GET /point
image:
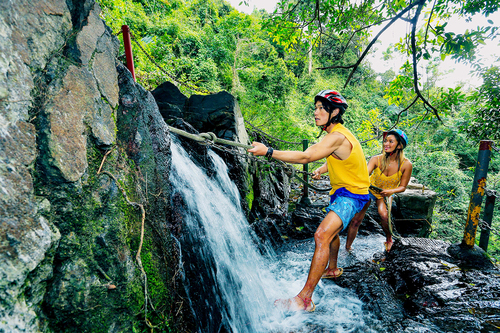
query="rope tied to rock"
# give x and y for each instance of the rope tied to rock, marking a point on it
(211, 139)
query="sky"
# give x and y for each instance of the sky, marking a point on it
(455, 72)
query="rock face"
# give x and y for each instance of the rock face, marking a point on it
(27, 235)
(426, 285)
(412, 212)
(265, 189)
(69, 235)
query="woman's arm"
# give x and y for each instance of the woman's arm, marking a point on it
(372, 164)
(319, 171)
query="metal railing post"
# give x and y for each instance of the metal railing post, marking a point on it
(128, 49)
(305, 192)
(478, 187)
(489, 206)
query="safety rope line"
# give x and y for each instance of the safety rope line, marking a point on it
(212, 140)
(389, 213)
(184, 83)
(206, 137)
(495, 147)
(270, 136)
(491, 193)
(484, 226)
(388, 204)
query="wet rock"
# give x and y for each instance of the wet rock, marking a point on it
(305, 220)
(171, 102)
(412, 214)
(420, 287)
(217, 113)
(471, 257)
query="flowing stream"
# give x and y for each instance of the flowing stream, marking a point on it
(236, 278)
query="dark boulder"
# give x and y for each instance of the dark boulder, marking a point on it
(412, 210)
(213, 113)
(170, 100)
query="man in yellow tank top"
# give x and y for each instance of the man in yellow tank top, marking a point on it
(346, 167)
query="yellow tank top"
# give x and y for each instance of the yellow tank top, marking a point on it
(351, 173)
(382, 181)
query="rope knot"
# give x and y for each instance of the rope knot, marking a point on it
(209, 136)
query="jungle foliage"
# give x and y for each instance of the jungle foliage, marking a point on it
(275, 63)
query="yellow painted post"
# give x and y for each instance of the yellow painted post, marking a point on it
(478, 187)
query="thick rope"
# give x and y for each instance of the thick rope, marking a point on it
(388, 204)
(204, 137)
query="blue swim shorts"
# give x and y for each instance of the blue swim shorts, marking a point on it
(345, 208)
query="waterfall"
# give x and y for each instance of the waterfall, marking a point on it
(231, 281)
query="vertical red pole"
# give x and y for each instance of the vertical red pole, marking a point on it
(128, 49)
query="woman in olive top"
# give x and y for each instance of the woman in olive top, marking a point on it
(391, 172)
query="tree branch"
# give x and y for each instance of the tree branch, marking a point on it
(394, 19)
(423, 118)
(414, 59)
(428, 24)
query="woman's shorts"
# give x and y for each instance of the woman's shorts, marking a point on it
(345, 208)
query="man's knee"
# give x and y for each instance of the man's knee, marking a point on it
(320, 236)
(323, 237)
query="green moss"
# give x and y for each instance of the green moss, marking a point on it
(249, 197)
(155, 282)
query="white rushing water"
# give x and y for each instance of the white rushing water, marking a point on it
(249, 281)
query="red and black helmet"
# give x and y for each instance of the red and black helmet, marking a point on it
(333, 100)
(333, 97)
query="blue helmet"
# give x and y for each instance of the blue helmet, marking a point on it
(400, 136)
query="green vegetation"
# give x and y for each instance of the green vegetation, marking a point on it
(207, 46)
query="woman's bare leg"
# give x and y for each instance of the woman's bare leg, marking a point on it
(384, 220)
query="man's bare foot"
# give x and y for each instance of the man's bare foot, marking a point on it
(388, 245)
(349, 250)
(296, 303)
(332, 273)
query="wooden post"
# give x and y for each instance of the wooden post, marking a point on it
(478, 188)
